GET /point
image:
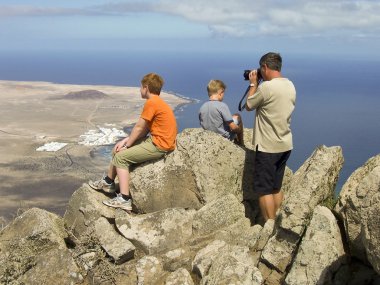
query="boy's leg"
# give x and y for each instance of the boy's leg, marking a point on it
(121, 161)
(106, 183)
(112, 172)
(123, 175)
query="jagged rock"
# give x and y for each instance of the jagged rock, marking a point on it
(84, 208)
(159, 231)
(204, 258)
(220, 263)
(193, 174)
(53, 267)
(218, 214)
(358, 207)
(313, 183)
(180, 276)
(371, 238)
(356, 273)
(262, 239)
(149, 271)
(117, 247)
(177, 258)
(34, 232)
(240, 233)
(321, 252)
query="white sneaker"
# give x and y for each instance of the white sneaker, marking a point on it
(102, 185)
(119, 202)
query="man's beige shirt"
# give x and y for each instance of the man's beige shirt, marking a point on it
(274, 102)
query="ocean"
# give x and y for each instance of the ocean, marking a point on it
(337, 97)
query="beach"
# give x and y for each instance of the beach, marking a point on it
(50, 135)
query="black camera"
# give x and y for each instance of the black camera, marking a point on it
(247, 72)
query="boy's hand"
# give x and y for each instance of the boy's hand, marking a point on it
(120, 145)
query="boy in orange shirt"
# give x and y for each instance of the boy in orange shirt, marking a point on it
(157, 118)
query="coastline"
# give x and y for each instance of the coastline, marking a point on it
(34, 114)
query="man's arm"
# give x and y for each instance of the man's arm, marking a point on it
(252, 90)
(253, 101)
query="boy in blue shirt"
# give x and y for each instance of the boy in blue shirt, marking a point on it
(215, 115)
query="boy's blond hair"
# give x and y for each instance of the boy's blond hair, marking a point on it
(214, 86)
(154, 83)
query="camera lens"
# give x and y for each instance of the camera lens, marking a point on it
(246, 74)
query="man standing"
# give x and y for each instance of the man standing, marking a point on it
(274, 102)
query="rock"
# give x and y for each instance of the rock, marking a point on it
(218, 214)
(180, 276)
(313, 183)
(193, 174)
(117, 247)
(84, 208)
(33, 233)
(262, 239)
(240, 233)
(53, 267)
(231, 265)
(149, 271)
(321, 252)
(371, 237)
(358, 207)
(177, 258)
(159, 231)
(204, 258)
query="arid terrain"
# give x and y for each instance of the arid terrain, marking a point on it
(34, 114)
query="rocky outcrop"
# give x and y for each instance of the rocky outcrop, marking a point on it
(192, 175)
(358, 207)
(311, 185)
(159, 231)
(211, 237)
(32, 241)
(321, 252)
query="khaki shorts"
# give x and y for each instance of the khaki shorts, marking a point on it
(143, 151)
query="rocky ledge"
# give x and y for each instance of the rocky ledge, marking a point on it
(198, 222)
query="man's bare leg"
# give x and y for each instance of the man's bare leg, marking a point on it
(267, 206)
(278, 198)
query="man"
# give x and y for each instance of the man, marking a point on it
(274, 102)
(157, 118)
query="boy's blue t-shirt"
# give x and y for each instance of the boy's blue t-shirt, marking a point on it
(216, 116)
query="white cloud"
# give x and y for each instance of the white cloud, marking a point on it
(242, 18)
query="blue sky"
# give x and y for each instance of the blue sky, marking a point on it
(323, 26)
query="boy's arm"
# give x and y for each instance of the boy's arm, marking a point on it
(234, 128)
(141, 129)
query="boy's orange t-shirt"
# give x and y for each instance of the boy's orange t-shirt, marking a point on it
(161, 121)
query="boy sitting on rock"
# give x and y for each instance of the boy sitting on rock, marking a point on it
(215, 115)
(157, 118)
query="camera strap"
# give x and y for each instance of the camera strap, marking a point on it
(242, 99)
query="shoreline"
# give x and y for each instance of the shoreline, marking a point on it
(35, 113)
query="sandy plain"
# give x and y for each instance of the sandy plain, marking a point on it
(33, 114)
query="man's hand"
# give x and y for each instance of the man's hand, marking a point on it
(253, 77)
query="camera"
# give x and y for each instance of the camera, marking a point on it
(247, 72)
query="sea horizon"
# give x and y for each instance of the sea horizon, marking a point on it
(336, 96)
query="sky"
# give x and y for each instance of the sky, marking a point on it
(323, 26)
